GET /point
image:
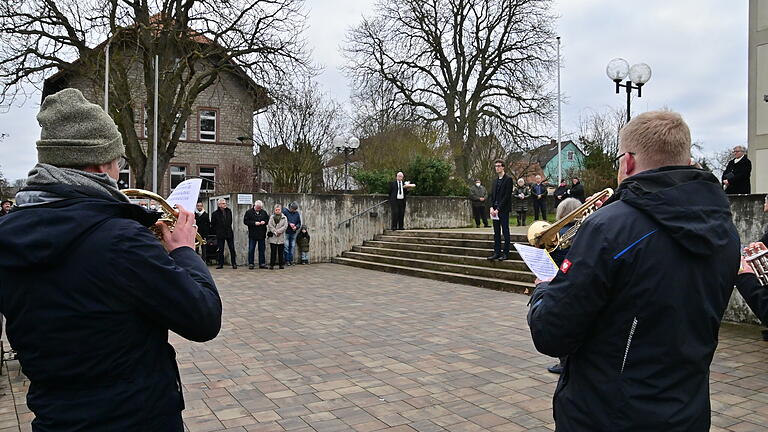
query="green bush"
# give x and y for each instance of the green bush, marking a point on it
(457, 187)
(375, 181)
(431, 175)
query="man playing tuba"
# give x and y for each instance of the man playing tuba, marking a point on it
(89, 292)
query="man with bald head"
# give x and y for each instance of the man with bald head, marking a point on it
(637, 303)
(398, 189)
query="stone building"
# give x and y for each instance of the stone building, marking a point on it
(216, 144)
(758, 94)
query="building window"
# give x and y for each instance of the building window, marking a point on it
(208, 125)
(208, 174)
(178, 174)
(571, 155)
(124, 181)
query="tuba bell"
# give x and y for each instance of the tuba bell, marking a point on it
(758, 259)
(547, 236)
(169, 214)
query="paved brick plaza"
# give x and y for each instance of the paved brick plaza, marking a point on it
(333, 348)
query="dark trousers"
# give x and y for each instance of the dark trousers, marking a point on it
(276, 254)
(398, 213)
(252, 243)
(501, 226)
(540, 205)
(521, 218)
(231, 242)
(478, 212)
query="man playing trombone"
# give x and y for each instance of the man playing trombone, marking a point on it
(637, 303)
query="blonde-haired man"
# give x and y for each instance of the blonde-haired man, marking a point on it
(637, 303)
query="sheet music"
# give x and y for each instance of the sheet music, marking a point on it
(538, 260)
(186, 194)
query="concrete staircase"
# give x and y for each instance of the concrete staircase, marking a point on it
(447, 255)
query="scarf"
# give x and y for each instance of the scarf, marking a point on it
(46, 175)
(277, 218)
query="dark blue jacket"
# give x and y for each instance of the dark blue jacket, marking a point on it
(89, 295)
(293, 217)
(637, 306)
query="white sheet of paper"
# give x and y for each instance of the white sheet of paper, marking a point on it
(538, 260)
(186, 194)
(494, 216)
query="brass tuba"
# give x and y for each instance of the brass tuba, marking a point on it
(758, 259)
(169, 214)
(547, 236)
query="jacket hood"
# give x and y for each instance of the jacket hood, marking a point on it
(687, 203)
(54, 219)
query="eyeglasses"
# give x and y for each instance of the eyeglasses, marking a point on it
(616, 159)
(122, 163)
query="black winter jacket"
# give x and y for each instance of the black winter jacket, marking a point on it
(89, 295)
(221, 223)
(501, 194)
(577, 191)
(258, 232)
(737, 175)
(754, 294)
(637, 306)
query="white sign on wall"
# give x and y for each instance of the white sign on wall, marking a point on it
(245, 199)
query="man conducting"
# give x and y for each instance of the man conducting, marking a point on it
(89, 292)
(398, 191)
(637, 303)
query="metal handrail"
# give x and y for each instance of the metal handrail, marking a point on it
(347, 221)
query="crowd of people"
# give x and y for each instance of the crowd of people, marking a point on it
(522, 195)
(634, 311)
(284, 231)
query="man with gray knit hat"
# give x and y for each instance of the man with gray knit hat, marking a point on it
(89, 293)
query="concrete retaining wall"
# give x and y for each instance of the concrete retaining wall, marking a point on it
(751, 222)
(323, 213)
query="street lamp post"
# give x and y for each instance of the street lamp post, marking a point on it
(348, 147)
(639, 75)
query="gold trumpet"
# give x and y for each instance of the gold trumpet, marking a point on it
(169, 217)
(758, 259)
(547, 236)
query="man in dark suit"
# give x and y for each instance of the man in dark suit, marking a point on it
(736, 175)
(221, 223)
(398, 189)
(539, 193)
(203, 226)
(501, 204)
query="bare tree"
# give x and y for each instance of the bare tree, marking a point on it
(235, 177)
(198, 42)
(457, 62)
(602, 129)
(296, 134)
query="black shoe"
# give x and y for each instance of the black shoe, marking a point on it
(556, 369)
(263, 266)
(493, 257)
(503, 257)
(250, 266)
(219, 266)
(234, 266)
(281, 267)
(477, 226)
(487, 226)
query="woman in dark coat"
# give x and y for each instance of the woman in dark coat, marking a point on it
(520, 195)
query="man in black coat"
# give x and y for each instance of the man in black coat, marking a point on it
(561, 192)
(256, 219)
(89, 293)
(501, 204)
(637, 303)
(539, 193)
(203, 226)
(577, 190)
(398, 190)
(221, 224)
(737, 172)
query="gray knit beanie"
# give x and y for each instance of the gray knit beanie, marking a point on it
(76, 133)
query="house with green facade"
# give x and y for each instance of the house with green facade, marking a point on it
(573, 159)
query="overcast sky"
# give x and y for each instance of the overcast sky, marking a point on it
(696, 48)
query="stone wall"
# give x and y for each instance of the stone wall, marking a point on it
(751, 222)
(323, 213)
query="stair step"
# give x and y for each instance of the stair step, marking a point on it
(485, 282)
(487, 244)
(451, 250)
(442, 257)
(452, 234)
(494, 273)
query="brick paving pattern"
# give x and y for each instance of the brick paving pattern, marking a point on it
(332, 348)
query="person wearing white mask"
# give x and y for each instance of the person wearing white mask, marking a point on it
(477, 197)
